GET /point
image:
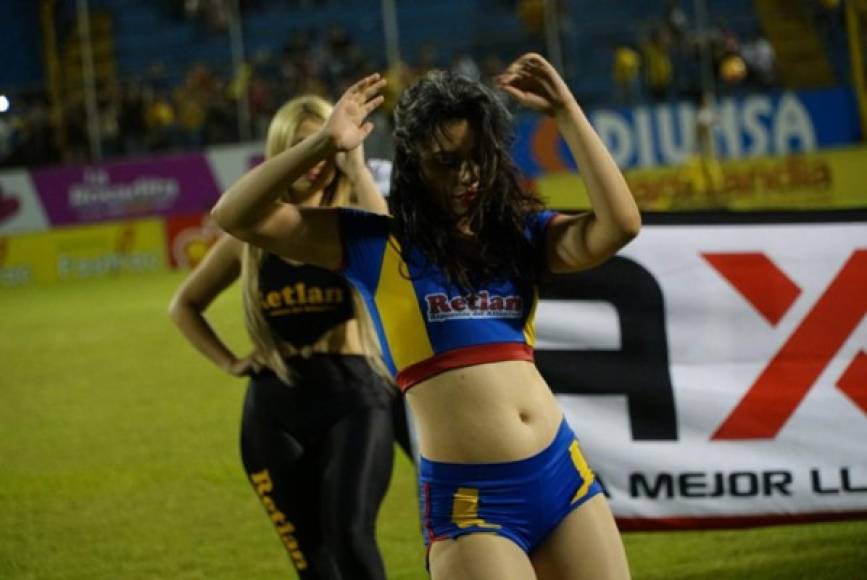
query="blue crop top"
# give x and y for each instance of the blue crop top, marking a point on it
(424, 324)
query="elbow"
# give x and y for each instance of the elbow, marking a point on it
(630, 227)
(218, 214)
(180, 307)
(175, 308)
(231, 223)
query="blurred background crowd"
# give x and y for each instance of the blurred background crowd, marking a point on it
(157, 94)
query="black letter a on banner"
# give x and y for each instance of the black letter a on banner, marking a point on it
(640, 369)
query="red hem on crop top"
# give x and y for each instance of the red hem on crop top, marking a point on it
(462, 357)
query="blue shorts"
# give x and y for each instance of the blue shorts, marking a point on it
(520, 500)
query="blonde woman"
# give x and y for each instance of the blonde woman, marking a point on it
(316, 434)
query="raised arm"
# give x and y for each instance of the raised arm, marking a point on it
(218, 270)
(581, 241)
(251, 211)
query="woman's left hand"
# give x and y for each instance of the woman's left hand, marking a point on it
(535, 83)
(347, 126)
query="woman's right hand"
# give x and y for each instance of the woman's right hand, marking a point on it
(246, 366)
(347, 127)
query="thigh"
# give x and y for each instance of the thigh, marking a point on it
(480, 556)
(356, 458)
(586, 545)
(284, 479)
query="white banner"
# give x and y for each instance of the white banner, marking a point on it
(716, 374)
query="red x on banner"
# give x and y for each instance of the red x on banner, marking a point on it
(790, 374)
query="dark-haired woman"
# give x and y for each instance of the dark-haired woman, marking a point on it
(450, 281)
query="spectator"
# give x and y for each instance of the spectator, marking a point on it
(160, 119)
(703, 170)
(658, 71)
(760, 58)
(532, 16)
(676, 21)
(131, 119)
(627, 64)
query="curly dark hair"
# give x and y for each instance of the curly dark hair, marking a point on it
(498, 248)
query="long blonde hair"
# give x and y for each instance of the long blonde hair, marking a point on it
(281, 133)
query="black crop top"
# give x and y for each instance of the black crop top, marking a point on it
(300, 302)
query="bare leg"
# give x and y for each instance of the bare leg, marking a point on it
(586, 545)
(480, 556)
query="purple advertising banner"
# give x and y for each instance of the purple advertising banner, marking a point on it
(180, 184)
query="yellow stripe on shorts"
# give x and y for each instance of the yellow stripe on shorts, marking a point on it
(465, 509)
(583, 470)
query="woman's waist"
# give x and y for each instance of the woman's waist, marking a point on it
(502, 411)
(466, 356)
(341, 340)
(529, 467)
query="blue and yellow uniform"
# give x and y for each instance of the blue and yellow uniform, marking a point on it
(427, 326)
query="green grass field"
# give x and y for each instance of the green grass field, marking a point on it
(119, 459)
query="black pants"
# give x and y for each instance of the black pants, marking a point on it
(319, 456)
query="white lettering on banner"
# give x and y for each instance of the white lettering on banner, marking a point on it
(666, 135)
(97, 189)
(617, 134)
(772, 295)
(15, 276)
(793, 129)
(80, 267)
(668, 141)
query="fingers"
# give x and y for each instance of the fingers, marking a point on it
(366, 81)
(365, 94)
(533, 59)
(530, 75)
(371, 105)
(512, 91)
(368, 87)
(505, 78)
(531, 64)
(374, 88)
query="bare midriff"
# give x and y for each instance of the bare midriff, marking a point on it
(487, 413)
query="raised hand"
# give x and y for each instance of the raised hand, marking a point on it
(347, 126)
(535, 83)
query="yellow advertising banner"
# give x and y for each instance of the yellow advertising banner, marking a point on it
(83, 252)
(824, 180)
